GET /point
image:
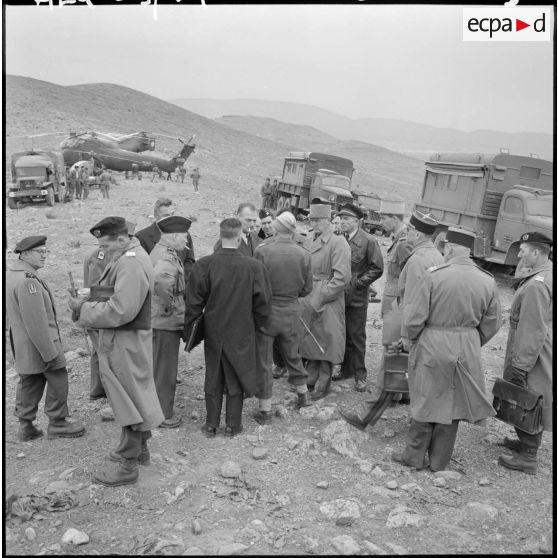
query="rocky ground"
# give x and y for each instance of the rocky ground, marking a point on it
(307, 484)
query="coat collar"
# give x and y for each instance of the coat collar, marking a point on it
(358, 237)
(20, 265)
(324, 238)
(462, 260)
(228, 252)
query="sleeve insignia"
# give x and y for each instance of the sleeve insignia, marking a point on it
(31, 287)
(130, 253)
(101, 255)
(539, 278)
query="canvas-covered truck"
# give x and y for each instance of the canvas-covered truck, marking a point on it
(37, 176)
(498, 197)
(309, 175)
(370, 204)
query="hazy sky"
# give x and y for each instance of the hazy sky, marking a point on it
(406, 62)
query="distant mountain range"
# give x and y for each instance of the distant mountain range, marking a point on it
(411, 138)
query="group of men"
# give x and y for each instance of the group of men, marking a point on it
(78, 183)
(269, 193)
(298, 296)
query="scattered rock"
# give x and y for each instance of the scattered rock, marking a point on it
(71, 355)
(57, 523)
(20, 455)
(484, 482)
(30, 534)
(291, 443)
(180, 526)
(200, 397)
(193, 551)
(67, 473)
(107, 414)
(311, 546)
(345, 508)
(309, 412)
(344, 521)
(391, 484)
(230, 470)
(281, 411)
(365, 467)
(411, 487)
(345, 545)
(322, 484)
(342, 438)
(195, 415)
(397, 549)
(196, 527)
(327, 413)
(483, 511)
(449, 475)
(384, 492)
(389, 433)
(59, 486)
(54, 547)
(440, 482)
(260, 453)
(252, 439)
(231, 549)
(401, 516)
(75, 537)
(335, 389)
(377, 473)
(82, 352)
(373, 549)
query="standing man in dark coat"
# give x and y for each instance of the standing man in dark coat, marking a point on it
(195, 176)
(246, 213)
(234, 295)
(367, 266)
(36, 345)
(529, 354)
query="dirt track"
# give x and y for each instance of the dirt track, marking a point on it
(275, 506)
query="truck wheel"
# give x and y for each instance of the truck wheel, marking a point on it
(49, 198)
(12, 203)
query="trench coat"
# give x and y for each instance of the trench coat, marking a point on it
(234, 294)
(323, 310)
(454, 311)
(126, 356)
(31, 316)
(423, 256)
(93, 266)
(529, 346)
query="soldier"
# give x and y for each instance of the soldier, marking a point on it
(135, 170)
(120, 310)
(182, 173)
(155, 175)
(105, 179)
(266, 219)
(323, 310)
(195, 176)
(167, 310)
(454, 310)
(528, 360)
(290, 275)
(274, 193)
(232, 312)
(73, 177)
(266, 193)
(36, 345)
(367, 266)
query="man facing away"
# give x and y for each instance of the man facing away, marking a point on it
(234, 295)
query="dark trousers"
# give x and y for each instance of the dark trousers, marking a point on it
(79, 189)
(531, 442)
(30, 390)
(131, 442)
(165, 367)
(214, 404)
(355, 344)
(319, 374)
(96, 386)
(85, 191)
(105, 190)
(438, 440)
(277, 356)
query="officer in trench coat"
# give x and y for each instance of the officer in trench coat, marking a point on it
(323, 310)
(123, 318)
(528, 361)
(36, 345)
(454, 311)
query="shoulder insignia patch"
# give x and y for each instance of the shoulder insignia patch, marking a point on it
(31, 287)
(539, 278)
(29, 275)
(101, 255)
(130, 253)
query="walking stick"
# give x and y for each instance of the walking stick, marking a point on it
(312, 335)
(75, 293)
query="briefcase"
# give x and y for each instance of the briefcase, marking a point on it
(395, 376)
(196, 335)
(517, 406)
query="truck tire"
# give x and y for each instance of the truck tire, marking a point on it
(49, 198)
(12, 203)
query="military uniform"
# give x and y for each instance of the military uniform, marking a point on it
(266, 192)
(105, 179)
(73, 178)
(195, 176)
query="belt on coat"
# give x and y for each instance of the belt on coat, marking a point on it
(321, 277)
(450, 328)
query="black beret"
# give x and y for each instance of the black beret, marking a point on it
(461, 236)
(351, 210)
(536, 238)
(109, 225)
(423, 223)
(174, 224)
(264, 213)
(29, 242)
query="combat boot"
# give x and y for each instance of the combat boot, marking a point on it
(513, 444)
(526, 461)
(126, 472)
(61, 428)
(143, 458)
(303, 400)
(28, 431)
(262, 417)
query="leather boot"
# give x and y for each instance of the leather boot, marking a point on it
(303, 400)
(262, 417)
(526, 461)
(513, 444)
(126, 472)
(61, 428)
(27, 431)
(143, 458)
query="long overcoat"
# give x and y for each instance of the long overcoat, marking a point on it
(454, 311)
(126, 356)
(323, 310)
(529, 345)
(32, 321)
(234, 294)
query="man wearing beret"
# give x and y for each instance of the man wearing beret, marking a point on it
(323, 310)
(528, 361)
(367, 266)
(120, 308)
(167, 310)
(266, 218)
(453, 312)
(36, 345)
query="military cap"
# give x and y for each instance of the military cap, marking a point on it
(29, 242)
(423, 222)
(285, 221)
(351, 210)
(263, 213)
(174, 224)
(109, 225)
(319, 211)
(535, 238)
(462, 237)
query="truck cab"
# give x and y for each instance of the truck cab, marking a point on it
(331, 187)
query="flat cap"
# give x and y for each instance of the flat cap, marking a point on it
(536, 238)
(174, 224)
(29, 242)
(285, 221)
(423, 222)
(319, 211)
(463, 237)
(263, 213)
(109, 225)
(351, 210)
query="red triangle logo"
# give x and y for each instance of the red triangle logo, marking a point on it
(519, 25)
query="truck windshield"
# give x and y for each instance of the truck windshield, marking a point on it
(540, 206)
(30, 172)
(335, 181)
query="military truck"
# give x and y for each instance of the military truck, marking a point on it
(370, 205)
(498, 197)
(37, 176)
(309, 175)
